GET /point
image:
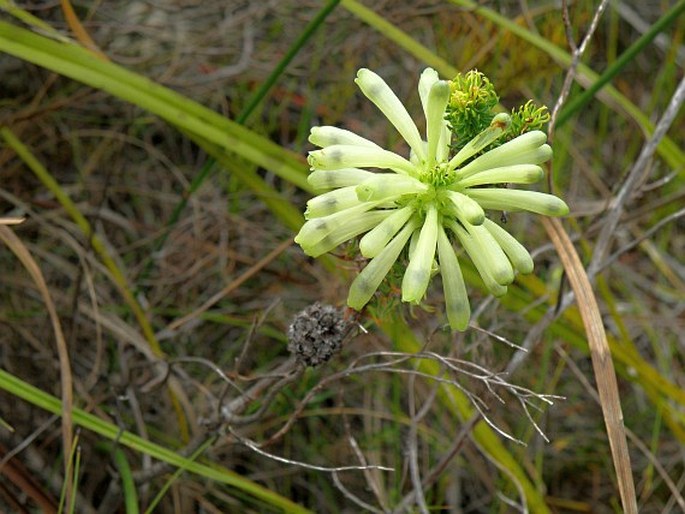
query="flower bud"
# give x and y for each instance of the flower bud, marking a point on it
(376, 90)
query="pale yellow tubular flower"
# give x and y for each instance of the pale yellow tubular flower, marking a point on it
(417, 275)
(322, 180)
(456, 298)
(375, 240)
(406, 202)
(367, 282)
(518, 200)
(515, 251)
(376, 90)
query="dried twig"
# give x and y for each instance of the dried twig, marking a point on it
(440, 467)
(635, 175)
(456, 366)
(15, 244)
(413, 442)
(371, 478)
(336, 469)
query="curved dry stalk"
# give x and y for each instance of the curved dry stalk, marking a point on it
(372, 481)
(413, 442)
(19, 249)
(605, 374)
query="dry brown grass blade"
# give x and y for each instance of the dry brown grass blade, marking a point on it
(19, 249)
(79, 31)
(16, 473)
(11, 221)
(605, 374)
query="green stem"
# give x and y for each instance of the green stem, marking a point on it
(127, 485)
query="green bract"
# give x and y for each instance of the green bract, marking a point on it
(428, 201)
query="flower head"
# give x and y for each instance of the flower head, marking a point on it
(427, 201)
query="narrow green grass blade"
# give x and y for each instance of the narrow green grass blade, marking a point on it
(79, 64)
(32, 21)
(77, 472)
(43, 400)
(299, 43)
(69, 486)
(128, 487)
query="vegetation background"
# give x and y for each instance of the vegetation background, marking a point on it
(143, 347)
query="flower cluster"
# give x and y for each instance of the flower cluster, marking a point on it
(428, 201)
